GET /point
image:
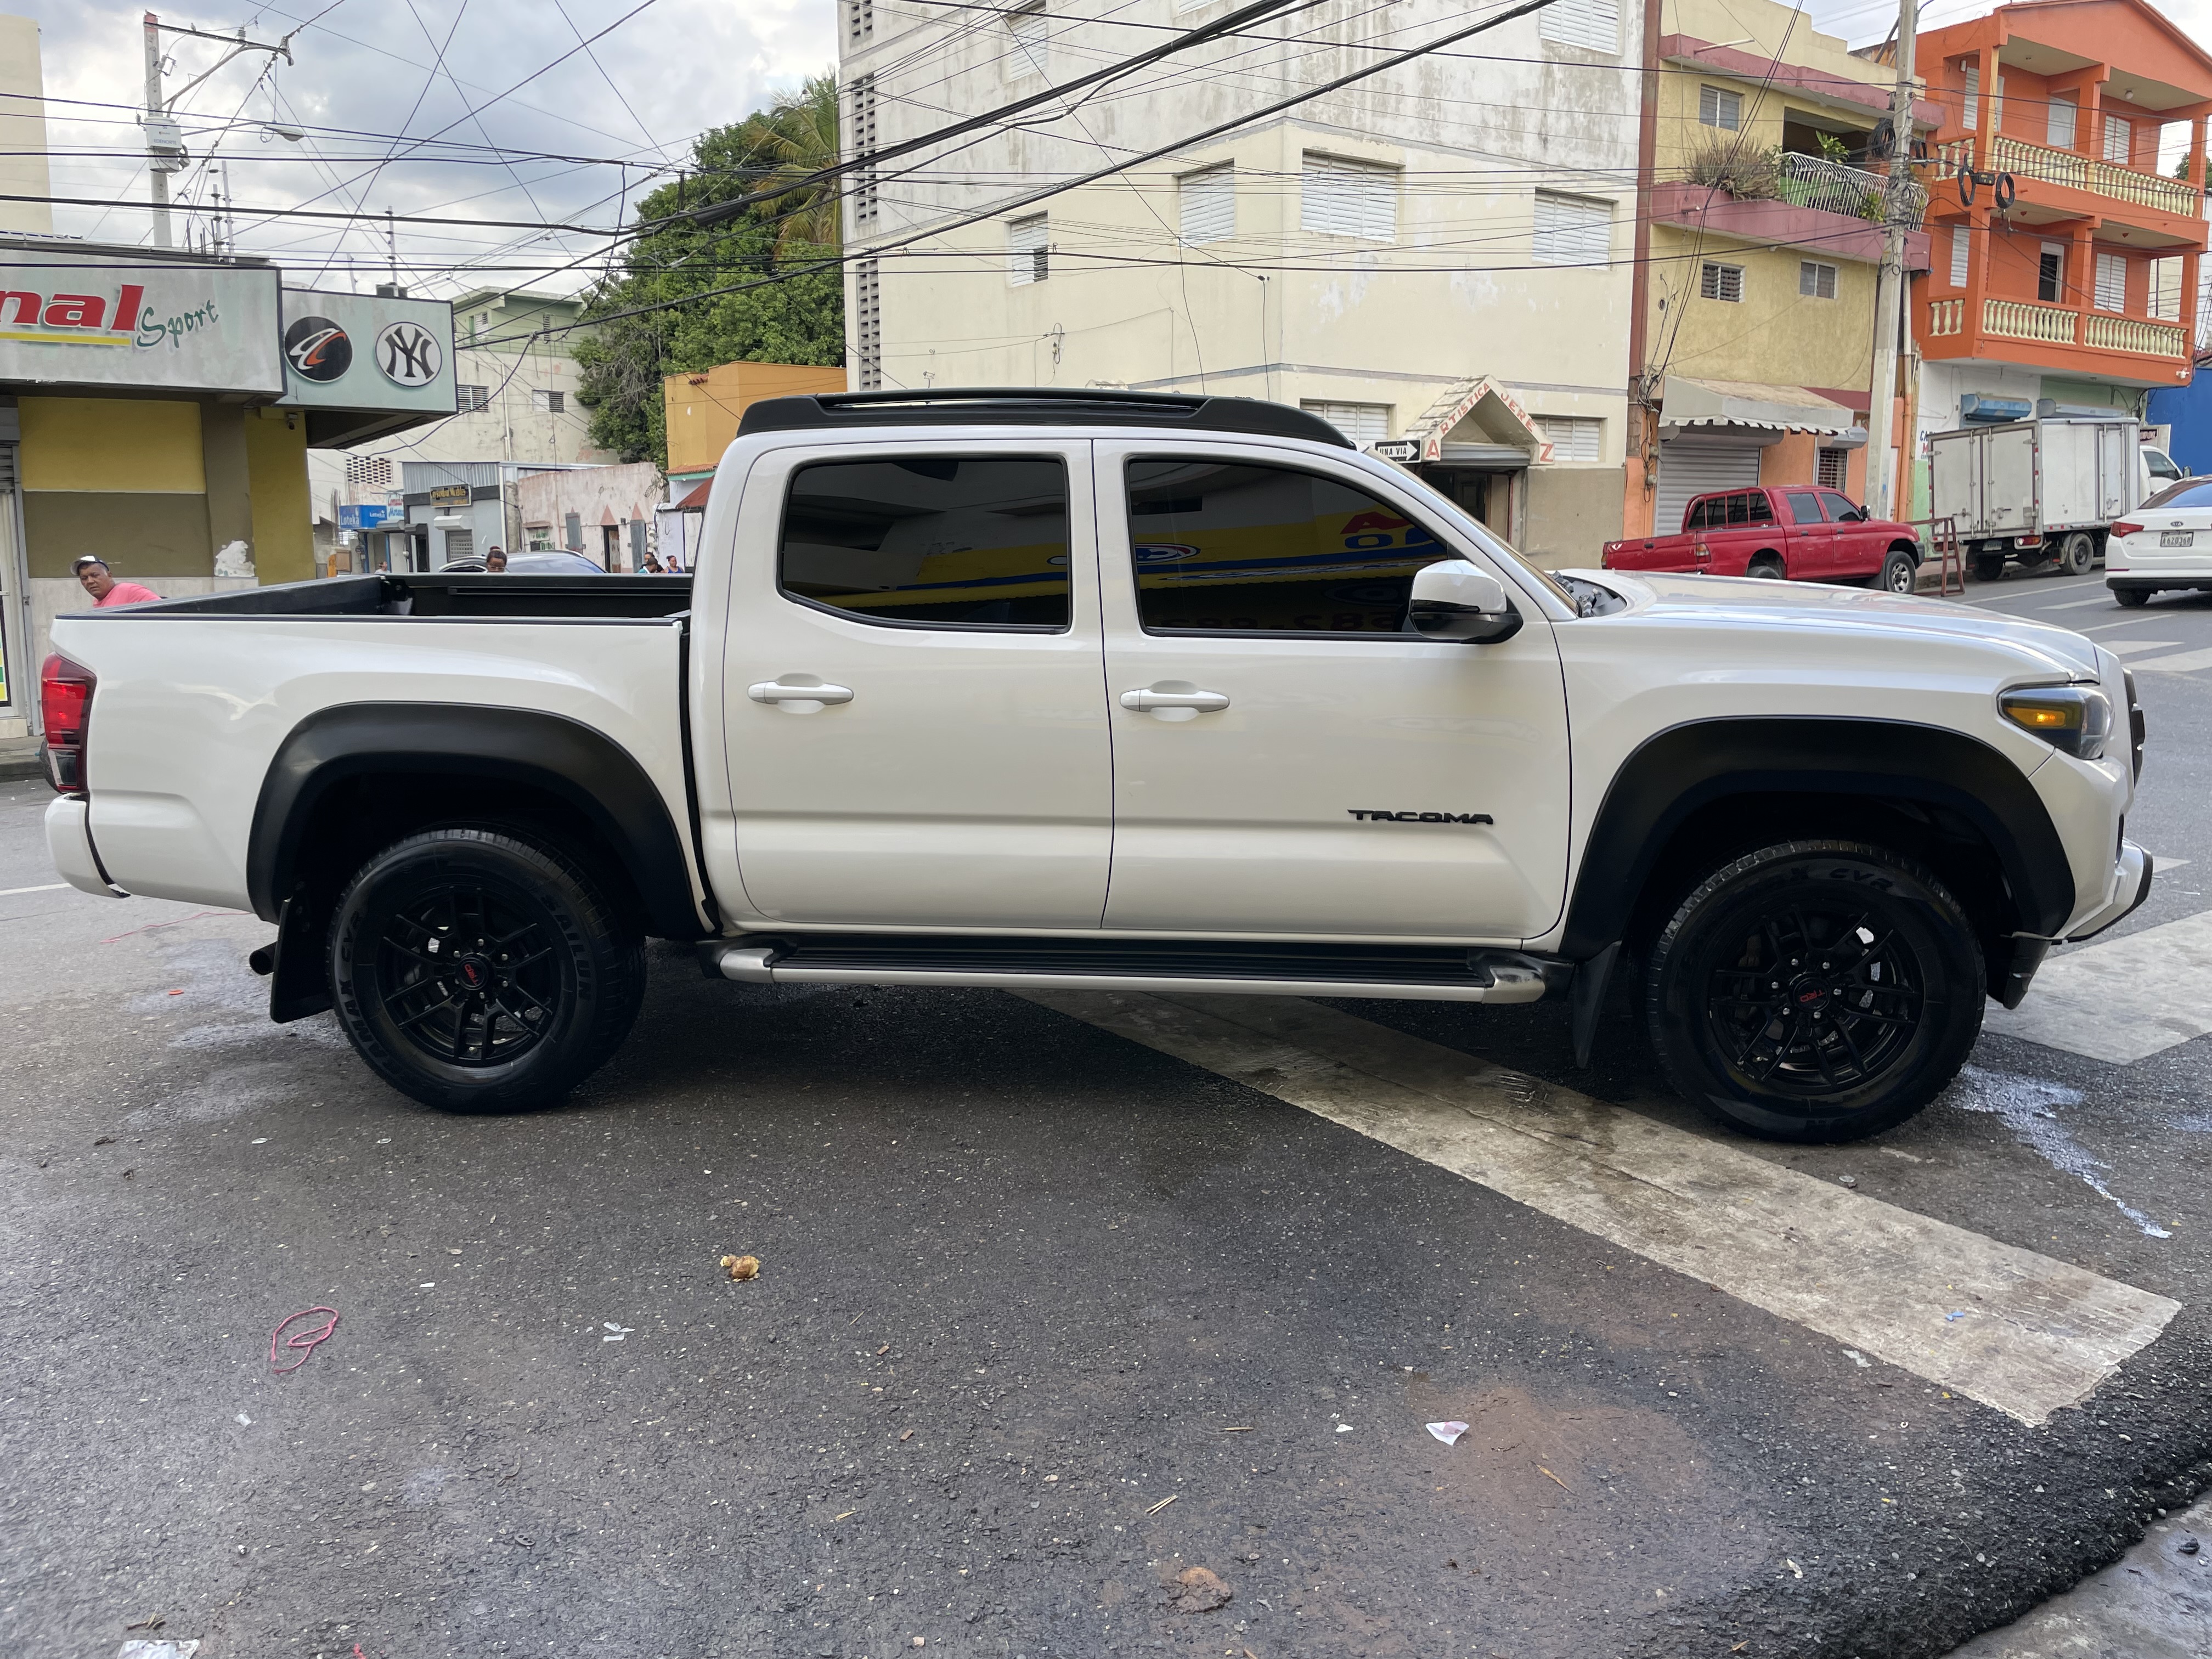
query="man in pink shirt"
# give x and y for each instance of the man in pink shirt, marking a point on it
(92, 572)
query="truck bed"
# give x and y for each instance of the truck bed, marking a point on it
(476, 595)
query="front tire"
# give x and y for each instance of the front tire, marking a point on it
(1816, 991)
(1899, 571)
(476, 971)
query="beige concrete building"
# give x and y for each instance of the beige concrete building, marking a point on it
(1436, 259)
(23, 130)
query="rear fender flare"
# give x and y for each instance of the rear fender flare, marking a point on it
(1689, 767)
(582, 767)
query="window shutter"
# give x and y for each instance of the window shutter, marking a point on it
(1027, 25)
(1337, 198)
(1028, 254)
(1719, 108)
(1718, 282)
(2111, 283)
(1572, 230)
(1971, 116)
(1573, 437)
(1961, 242)
(1205, 204)
(2119, 139)
(1364, 423)
(1595, 24)
(2059, 130)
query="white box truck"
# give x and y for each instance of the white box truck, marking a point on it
(2040, 489)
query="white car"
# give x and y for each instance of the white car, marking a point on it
(1076, 689)
(2166, 542)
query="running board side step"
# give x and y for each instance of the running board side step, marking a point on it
(1416, 974)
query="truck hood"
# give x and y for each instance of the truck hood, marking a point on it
(1759, 603)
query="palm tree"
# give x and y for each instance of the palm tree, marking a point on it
(801, 136)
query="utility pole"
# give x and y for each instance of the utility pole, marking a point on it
(165, 144)
(1883, 456)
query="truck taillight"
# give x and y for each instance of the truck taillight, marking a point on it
(65, 707)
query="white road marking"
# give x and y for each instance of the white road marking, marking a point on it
(2182, 662)
(51, 887)
(2036, 1334)
(2022, 593)
(2080, 604)
(2122, 1001)
(2132, 622)
(2129, 647)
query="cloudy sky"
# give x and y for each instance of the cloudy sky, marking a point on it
(573, 141)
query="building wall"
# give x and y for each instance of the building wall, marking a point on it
(277, 473)
(703, 409)
(122, 477)
(23, 128)
(600, 497)
(1773, 335)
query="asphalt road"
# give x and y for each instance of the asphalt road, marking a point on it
(1046, 1317)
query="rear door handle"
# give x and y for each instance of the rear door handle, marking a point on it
(777, 691)
(1205, 702)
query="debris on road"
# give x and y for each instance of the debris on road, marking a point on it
(620, 1331)
(1447, 1432)
(905, 1435)
(1555, 1479)
(244, 1421)
(1344, 1428)
(1948, 1317)
(748, 1266)
(1238, 1428)
(1163, 1502)
(2187, 1546)
(1858, 1359)
(1200, 1591)
(303, 1341)
(1847, 1181)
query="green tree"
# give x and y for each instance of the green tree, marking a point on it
(674, 270)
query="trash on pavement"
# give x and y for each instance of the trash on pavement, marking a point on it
(1447, 1432)
(1163, 1502)
(1553, 1479)
(741, 1267)
(1847, 1181)
(1858, 1359)
(2187, 1546)
(1344, 1428)
(1197, 1590)
(141, 1650)
(906, 1435)
(1948, 1317)
(303, 1341)
(620, 1331)
(244, 1421)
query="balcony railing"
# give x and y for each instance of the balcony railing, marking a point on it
(2076, 171)
(2016, 319)
(2132, 334)
(1947, 317)
(1809, 181)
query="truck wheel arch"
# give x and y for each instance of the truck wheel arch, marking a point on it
(549, 756)
(1682, 771)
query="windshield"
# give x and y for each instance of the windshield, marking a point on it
(1490, 541)
(2190, 492)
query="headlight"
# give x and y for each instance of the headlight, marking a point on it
(2073, 718)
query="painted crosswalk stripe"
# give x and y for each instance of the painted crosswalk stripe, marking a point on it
(2121, 1001)
(2181, 662)
(2131, 648)
(2036, 1333)
(2078, 605)
(50, 887)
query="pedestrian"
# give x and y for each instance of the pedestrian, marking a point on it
(91, 571)
(653, 566)
(495, 561)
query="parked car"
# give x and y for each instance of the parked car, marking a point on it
(544, 562)
(1097, 691)
(2040, 491)
(1801, 532)
(2166, 544)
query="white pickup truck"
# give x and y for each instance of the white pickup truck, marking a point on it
(1034, 688)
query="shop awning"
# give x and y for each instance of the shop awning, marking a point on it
(1477, 420)
(696, 500)
(1751, 403)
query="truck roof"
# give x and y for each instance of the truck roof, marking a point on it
(1036, 406)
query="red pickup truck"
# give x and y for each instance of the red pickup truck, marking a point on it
(1799, 533)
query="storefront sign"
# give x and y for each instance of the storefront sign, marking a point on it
(362, 352)
(450, 494)
(360, 518)
(71, 318)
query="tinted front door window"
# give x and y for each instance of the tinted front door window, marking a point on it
(1233, 547)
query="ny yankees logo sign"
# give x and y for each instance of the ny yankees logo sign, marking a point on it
(408, 354)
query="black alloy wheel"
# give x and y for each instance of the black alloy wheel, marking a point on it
(1816, 991)
(477, 971)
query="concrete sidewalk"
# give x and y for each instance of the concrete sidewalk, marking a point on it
(19, 758)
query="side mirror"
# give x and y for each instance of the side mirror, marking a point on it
(1455, 601)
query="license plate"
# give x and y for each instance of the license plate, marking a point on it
(2177, 538)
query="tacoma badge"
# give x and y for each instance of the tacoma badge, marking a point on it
(1421, 817)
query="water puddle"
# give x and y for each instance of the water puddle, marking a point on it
(2028, 1106)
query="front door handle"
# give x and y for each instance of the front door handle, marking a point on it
(778, 691)
(1204, 703)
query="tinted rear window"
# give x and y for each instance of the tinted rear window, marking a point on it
(2190, 492)
(935, 541)
(1804, 507)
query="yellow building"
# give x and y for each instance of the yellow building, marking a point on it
(704, 409)
(1765, 173)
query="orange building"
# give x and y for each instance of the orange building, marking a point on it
(2064, 261)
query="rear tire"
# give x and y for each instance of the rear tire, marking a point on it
(2076, 554)
(1900, 572)
(476, 971)
(1816, 991)
(1768, 569)
(1989, 567)
(2132, 597)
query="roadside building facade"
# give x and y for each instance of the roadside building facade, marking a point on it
(702, 412)
(1753, 354)
(607, 514)
(1438, 259)
(2074, 275)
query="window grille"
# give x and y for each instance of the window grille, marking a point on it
(1719, 108)
(1816, 280)
(1719, 282)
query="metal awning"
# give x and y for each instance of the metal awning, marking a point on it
(1753, 404)
(1477, 419)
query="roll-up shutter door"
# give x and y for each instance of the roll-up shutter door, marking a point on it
(461, 544)
(1688, 470)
